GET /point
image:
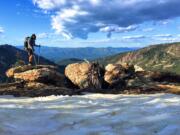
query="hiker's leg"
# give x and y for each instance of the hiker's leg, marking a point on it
(31, 59)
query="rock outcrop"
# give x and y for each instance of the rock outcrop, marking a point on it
(84, 75)
(19, 69)
(40, 74)
(44, 80)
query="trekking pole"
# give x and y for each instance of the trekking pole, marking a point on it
(35, 60)
(39, 55)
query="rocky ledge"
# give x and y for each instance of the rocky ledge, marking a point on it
(79, 78)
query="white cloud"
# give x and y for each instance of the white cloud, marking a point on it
(49, 4)
(134, 37)
(163, 35)
(175, 39)
(148, 29)
(95, 2)
(66, 16)
(78, 18)
(165, 22)
(117, 29)
(42, 35)
(166, 38)
(1, 30)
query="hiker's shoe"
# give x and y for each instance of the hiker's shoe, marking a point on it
(30, 64)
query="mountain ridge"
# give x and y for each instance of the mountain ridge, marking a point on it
(160, 57)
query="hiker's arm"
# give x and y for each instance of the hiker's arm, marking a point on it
(37, 45)
(34, 44)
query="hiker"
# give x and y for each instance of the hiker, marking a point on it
(29, 47)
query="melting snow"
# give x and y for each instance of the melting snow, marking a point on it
(92, 114)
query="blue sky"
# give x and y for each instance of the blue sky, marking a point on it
(94, 23)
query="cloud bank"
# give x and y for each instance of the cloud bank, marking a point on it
(78, 18)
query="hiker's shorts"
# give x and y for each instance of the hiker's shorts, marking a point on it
(30, 52)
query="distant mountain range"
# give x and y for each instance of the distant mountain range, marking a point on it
(69, 61)
(162, 57)
(57, 54)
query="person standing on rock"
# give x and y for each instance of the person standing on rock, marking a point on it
(29, 47)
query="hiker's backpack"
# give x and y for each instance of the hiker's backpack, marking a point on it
(26, 43)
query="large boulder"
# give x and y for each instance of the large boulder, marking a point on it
(43, 74)
(116, 74)
(84, 75)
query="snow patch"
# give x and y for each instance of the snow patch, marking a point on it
(91, 114)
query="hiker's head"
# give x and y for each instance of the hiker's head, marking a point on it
(33, 36)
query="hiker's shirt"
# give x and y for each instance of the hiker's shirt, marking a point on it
(31, 44)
